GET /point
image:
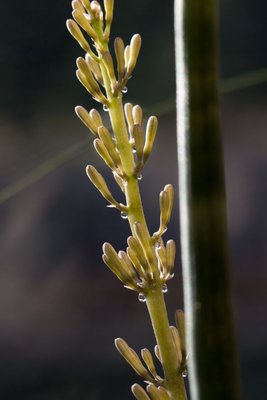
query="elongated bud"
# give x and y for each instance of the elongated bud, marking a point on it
(85, 24)
(164, 210)
(127, 265)
(163, 393)
(139, 393)
(110, 68)
(180, 323)
(111, 259)
(169, 189)
(161, 253)
(91, 86)
(132, 358)
(137, 115)
(96, 117)
(95, 68)
(97, 179)
(109, 6)
(86, 4)
(140, 233)
(151, 130)
(138, 140)
(177, 344)
(96, 11)
(75, 31)
(84, 116)
(137, 249)
(126, 56)
(128, 111)
(104, 154)
(135, 47)
(153, 392)
(170, 256)
(119, 52)
(77, 5)
(148, 359)
(119, 181)
(109, 143)
(136, 262)
(157, 353)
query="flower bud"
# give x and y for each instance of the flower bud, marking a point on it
(137, 115)
(119, 52)
(132, 358)
(128, 111)
(104, 154)
(109, 6)
(138, 140)
(135, 47)
(85, 24)
(157, 353)
(84, 116)
(97, 179)
(153, 392)
(95, 69)
(148, 359)
(110, 68)
(151, 130)
(177, 344)
(77, 5)
(180, 323)
(170, 256)
(109, 143)
(139, 393)
(112, 261)
(75, 31)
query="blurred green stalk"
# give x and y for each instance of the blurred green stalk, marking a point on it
(210, 334)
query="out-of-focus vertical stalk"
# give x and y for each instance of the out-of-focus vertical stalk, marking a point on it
(210, 337)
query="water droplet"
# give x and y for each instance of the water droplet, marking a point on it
(134, 150)
(184, 373)
(164, 288)
(139, 177)
(105, 107)
(125, 89)
(142, 297)
(124, 215)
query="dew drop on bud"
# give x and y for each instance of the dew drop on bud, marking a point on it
(164, 288)
(124, 215)
(142, 297)
(105, 107)
(184, 373)
(140, 177)
(134, 150)
(125, 89)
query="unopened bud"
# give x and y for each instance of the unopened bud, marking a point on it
(75, 31)
(95, 68)
(180, 323)
(163, 393)
(110, 68)
(104, 154)
(77, 5)
(84, 116)
(157, 353)
(139, 393)
(151, 130)
(112, 261)
(177, 344)
(135, 47)
(85, 24)
(128, 111)
(97, 179)
(132, 358)
(148, 359)
(138, 140)
(153, 392)
(170, 256)
(119, 52)
(137, 115)
(109, 143)
(109, 6)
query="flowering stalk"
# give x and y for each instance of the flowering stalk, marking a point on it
(147, 264)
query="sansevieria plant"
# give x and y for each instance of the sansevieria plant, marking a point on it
(148, 261)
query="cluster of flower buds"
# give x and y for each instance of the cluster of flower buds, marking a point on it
(89, 17)
(136, 267)
(145, 366)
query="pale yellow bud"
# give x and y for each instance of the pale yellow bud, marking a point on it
(135, 47)
(109, 143)
(164, 394)
(170, 256)
(77, 5)
(104, 154)
(138, 140)
(153, 392)
(109, 6)
(157, 353)
(97, 179)
(84, 116)
(107, 59)
(151, 130)
(95, 68)
(128, 111)
(119, 52)
(75, 31)
(137, 115)
(132, 358)
(180, 323)
(148, 359)
(177, 344)
(96, 117)
(139, 393)
(85, 24)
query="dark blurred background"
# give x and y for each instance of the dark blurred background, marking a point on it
(60, 308)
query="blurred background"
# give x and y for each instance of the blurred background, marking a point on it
(60, 307)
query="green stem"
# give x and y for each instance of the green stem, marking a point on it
(154, 296)
(210, 338)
